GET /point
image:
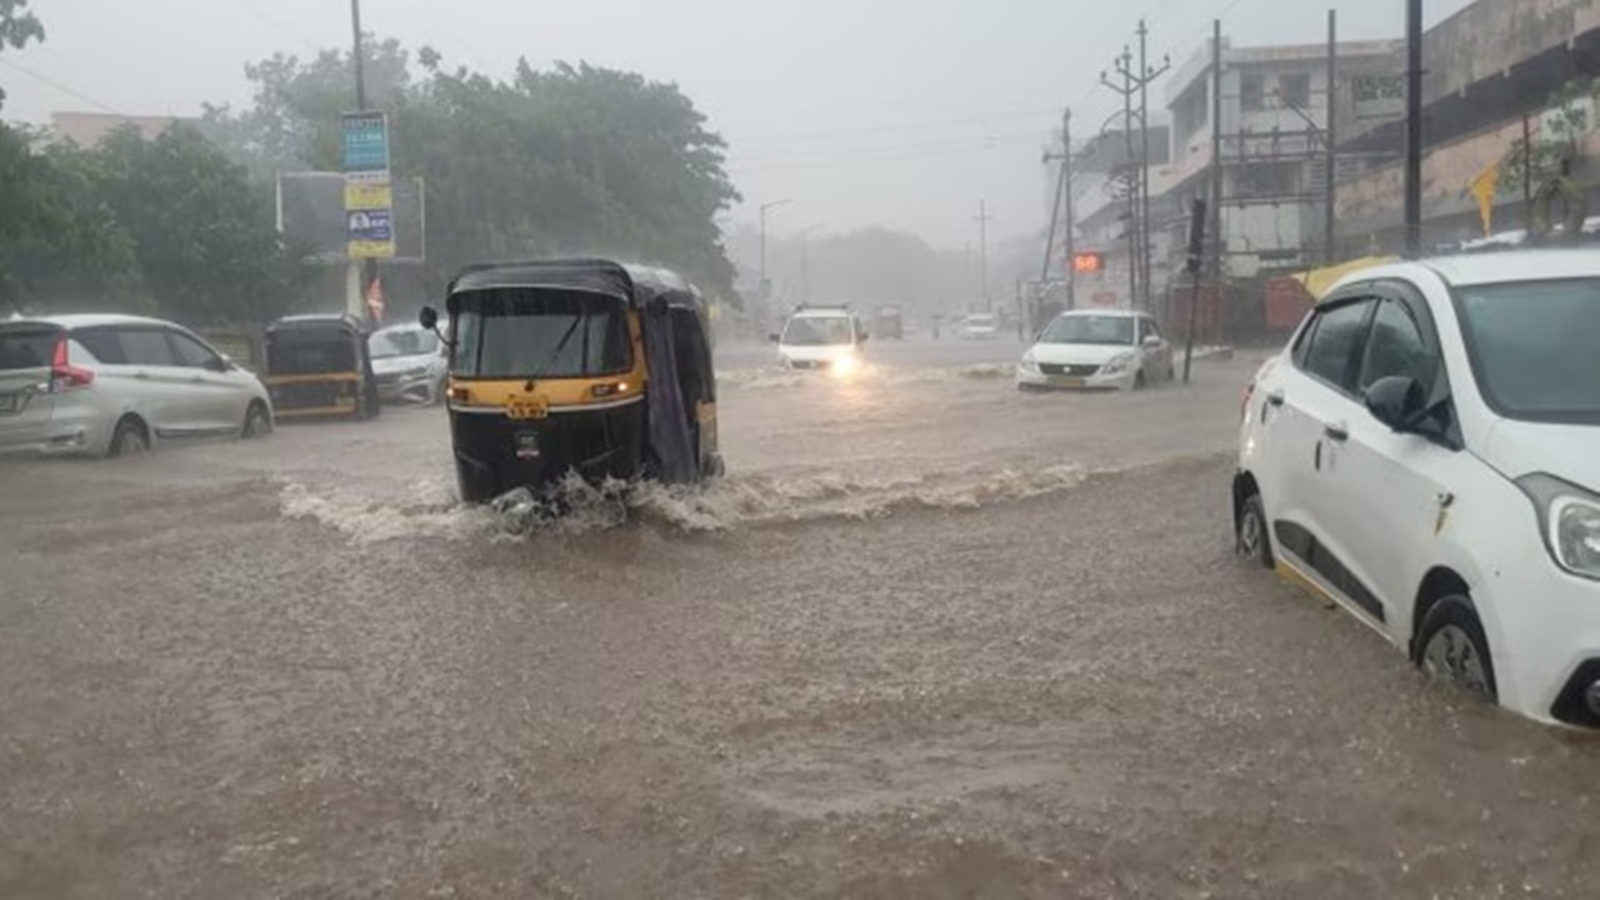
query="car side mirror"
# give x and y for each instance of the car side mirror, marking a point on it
(429, 319)
(1397, 401)
(772, 338)
(1152, 340)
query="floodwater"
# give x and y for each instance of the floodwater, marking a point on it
(930, 638)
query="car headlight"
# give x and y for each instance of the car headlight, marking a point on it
(1029, 364)
(1119, 364)
(1569, 517)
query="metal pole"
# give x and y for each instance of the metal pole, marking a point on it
(1413, 171)
(983, 253)
(1069, 213)
(1216, 154)
(1133, 184)
(1527, 173)
(369, 269)
(1330, 133)
(761, 283)
(1146, 75)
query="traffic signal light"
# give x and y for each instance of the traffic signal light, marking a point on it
(1088, 263)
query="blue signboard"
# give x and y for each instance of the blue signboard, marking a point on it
(366, 143)
(370, 225)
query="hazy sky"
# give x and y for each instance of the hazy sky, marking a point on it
(903, 113)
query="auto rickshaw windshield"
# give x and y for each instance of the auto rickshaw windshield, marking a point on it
(518, 332)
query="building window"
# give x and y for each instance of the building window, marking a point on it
(1266, 180)
(1296, 90)
(1252, 92)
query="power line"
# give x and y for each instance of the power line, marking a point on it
(276, 23)
(64, 88)
(903, 127)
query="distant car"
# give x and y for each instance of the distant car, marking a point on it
(1426, 454)
(411, 364)
(1097, 350)
(822, 338)
(979, 327)
(110, 385)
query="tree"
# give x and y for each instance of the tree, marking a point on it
(18, 26)
(578, 159)
(1542, 166)
(203, 233)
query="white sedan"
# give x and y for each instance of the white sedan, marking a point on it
(1426, 454)
(1097, 350)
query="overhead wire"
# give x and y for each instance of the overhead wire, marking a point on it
(58, 85)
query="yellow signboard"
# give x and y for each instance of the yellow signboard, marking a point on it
(369, 219)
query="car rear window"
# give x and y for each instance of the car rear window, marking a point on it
(27, 346)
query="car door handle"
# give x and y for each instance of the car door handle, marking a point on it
(1275, 398)
(1336, 432)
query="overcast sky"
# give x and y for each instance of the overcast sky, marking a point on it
(902, 113)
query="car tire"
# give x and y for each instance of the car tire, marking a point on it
(1251, 537)
(1452, 647)
(257, 422)
(129, 439)
(1139, 382)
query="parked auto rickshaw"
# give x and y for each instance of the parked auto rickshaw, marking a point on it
(319, 367)
(587, 366)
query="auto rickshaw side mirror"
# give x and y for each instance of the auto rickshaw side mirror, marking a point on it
(429, 318)
(772, 338)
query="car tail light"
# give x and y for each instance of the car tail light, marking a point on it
(64, 376)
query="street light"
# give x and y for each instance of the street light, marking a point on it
(805, 262)
(762, 286)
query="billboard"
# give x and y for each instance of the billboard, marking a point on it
(319, 211)
(1379, 96)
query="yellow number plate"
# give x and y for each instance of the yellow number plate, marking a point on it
(532, 408)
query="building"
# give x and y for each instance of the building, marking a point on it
(1274, 153)
(1491, 73)
(1104, 168)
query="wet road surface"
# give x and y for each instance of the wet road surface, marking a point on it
(931, 638)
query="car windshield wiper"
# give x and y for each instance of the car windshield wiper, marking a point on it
(544, 369)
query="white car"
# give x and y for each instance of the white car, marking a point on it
(1097, 350)
(411, 364)
(979, 327)
(106, 385)
(822, 338)
(1426, 454)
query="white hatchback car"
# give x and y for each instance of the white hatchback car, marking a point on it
(822, 337)
(106, 385)
(1104, 349)
(1426, 453)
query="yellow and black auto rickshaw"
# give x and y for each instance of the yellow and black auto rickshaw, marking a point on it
(577, 366)
(318, 367)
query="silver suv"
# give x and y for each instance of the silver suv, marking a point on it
(111, 385)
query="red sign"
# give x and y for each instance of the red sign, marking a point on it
(1088, 263)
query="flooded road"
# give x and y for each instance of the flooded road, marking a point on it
(930, 638)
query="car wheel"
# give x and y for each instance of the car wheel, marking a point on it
(1250, 533)
(130, 439)
(257, 423)
(1451, 646)
(1139, 382)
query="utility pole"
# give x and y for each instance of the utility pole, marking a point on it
(369, 273)
(1413, 176)
(805, 262)
(762, 287)
(1127, 89)
(1216, 154)
(1146, 75)
(983, 253)
(1063, 201)
(1330, 135)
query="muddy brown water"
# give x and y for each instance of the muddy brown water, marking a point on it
(931, 638)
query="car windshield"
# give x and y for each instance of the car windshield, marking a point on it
(1089, 329)
(531, 333)
(1535, 347)
(406, 342)
(815, 331)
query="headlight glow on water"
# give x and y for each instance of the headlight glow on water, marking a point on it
(1569, 516)
(846, 366)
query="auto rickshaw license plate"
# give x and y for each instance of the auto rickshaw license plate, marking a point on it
(530, 408)
(527, 443)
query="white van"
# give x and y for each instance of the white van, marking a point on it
(821, 338)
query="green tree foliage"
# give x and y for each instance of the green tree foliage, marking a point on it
(578, 159)
(18, 26)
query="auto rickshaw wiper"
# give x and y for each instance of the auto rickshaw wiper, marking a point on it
(555, 354)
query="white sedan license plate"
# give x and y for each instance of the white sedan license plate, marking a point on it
(1066, 381)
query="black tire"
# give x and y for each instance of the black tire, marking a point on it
(129, 439)
(1252, 538)
(257, 422)
(1139, 382)
(1452, 647)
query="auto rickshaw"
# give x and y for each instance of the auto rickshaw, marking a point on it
(582, 366)
(319, 366)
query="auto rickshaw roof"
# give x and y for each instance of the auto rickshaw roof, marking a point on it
(319, 322)
(636, 284)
